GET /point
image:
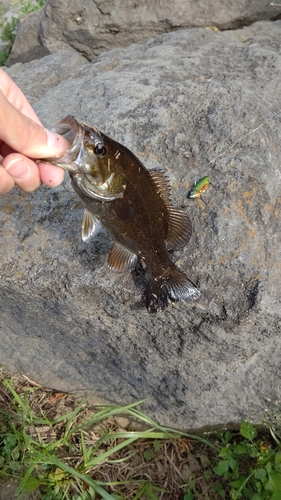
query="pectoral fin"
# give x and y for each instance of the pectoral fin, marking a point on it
(121, 259)
(90, 225)
(78, 205)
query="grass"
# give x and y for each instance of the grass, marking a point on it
(8, 25)
(60, 449)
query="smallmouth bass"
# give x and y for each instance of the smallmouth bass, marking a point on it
(133, 204)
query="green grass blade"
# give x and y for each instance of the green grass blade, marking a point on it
(97, 460)
(83, 477)
(17, 398)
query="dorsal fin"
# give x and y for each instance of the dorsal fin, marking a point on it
(161, 181)
(121, 259)
(179, 224)
(179, 229)
(90, 225)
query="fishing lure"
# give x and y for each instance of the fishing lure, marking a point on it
(199, 187)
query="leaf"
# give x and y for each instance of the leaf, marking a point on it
(248, 431)
(227, 437)
(148, 454)
(278, 458)
(238, 483)
(268, 467)
(55, 397)
(57, 475)
(232, 463)
(240, 449)
(191, 484)
(261, 474)
(252, 450)
(219, 489)
(222, 467)
(225, 452)
(157, 445)
(276, 495)
(32, 484)
(275, 482)
(207, 474)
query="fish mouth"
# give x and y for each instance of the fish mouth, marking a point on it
(67, 127)
(70, 129)
(80, 162)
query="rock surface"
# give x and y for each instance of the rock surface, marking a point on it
(178, 102)
(92, 27)
(27, 45)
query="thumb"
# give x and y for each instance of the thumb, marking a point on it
(26, 136)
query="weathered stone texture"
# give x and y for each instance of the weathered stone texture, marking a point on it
(178, 102)
(27, 45)
(43, 76)
(92, 27)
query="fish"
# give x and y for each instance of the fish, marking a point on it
(199, 187)
(133, 204)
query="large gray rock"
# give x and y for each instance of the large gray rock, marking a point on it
(178, 102)
(27, 45)
(94, 27)
(46, 74)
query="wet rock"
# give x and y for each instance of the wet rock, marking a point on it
(178, 101)
(94, 27)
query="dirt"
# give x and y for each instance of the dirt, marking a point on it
(8, 490)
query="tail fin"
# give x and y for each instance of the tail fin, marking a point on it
(173, 284)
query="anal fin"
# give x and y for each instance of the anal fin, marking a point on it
(121, 259)
(179, 229)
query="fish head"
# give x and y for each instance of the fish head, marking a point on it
(92, 160)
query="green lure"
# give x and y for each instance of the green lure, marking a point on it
(199, 187)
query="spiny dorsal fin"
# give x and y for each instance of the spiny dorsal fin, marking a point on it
(121, 259)
(179, 229)
(161, 181)
(90, 225)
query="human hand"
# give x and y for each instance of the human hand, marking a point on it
(22, 137)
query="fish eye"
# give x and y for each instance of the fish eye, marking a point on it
(100, 150)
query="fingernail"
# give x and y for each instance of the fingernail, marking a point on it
(56, 142)
(18, 169)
